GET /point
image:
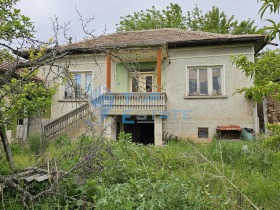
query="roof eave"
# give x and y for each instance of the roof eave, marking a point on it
(259, 42)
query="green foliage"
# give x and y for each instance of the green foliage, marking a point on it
(273, 141)
(251, 156)
(22, 155)
(21, 94)
(171, 17)
(171, 193)
(216, 21)
(273, 6)
(266, 73)
(13, 24)
(126, 175)
(35, 143)
(62, 140)
(5, 168)
(125, 137)
(23, 99)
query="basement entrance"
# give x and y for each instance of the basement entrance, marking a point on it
(142, 130)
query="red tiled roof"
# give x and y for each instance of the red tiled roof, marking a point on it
(170, 36)
(6, 65)
(229, 128)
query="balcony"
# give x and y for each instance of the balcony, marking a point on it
(136, 103)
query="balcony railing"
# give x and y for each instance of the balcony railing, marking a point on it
(134, 103)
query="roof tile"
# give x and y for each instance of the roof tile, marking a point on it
(156, 36)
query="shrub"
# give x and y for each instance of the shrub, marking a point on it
(125, 137)
(62, 140)
(273, 141)
(35, 143)
(171, 193)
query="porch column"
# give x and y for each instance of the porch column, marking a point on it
(108, 77)
(109, 127)
(158, 130)
(159, 70)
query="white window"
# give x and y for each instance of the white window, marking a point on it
(79, 86)
(141, 82)
(203, 81)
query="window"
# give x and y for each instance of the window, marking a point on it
(203, 133)
(216, 78)
(20, 122)
(88, 85)
(79, 86)
(204, 81)
(141, 82)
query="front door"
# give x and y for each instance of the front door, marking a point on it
(21, 133)
(141, 82)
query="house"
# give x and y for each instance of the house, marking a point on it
(9, 69)
(153, 83)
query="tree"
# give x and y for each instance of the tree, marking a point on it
(214, 21)
(21, 93)
(171, 17)
(13, 26)
(273, 6)
(266, 69)
(266, 74)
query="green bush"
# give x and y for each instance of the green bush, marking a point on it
(35, 143)
(273, 141)
(62, 140)
(125, 137)
(171, 193)
(126, 175)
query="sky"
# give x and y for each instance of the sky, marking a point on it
(107, 13)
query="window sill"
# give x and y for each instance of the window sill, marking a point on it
(206, 97)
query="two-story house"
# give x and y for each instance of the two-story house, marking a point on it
(156, 82)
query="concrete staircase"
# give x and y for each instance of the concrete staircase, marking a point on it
(73, 123)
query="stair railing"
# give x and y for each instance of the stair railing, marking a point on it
(65, 122)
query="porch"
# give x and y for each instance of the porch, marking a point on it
(134, 103)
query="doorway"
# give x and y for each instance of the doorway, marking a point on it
(142, 131)
(142, 82)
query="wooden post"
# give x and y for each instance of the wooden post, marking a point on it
(108, 78)
(159, 70)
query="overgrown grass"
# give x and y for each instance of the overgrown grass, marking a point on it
(125, 175)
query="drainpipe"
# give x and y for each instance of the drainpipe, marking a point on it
(108, 78)
(159, 70)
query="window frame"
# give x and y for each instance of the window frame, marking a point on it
(209, 80)
(141, 76)
(203, 129)
(83, 83)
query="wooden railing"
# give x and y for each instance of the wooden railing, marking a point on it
(114, 102)
(61, 124)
